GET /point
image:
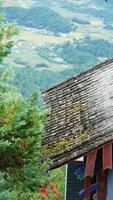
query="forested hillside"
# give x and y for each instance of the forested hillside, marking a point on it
(40, 17)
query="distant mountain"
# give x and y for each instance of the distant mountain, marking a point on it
(40, 17)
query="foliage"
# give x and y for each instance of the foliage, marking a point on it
(21, 129)
(86, 52)
(4, 187)
(17, 195)
(57, 175)
(19, 62)
(80, 21)
(29, 80)
(40, 17)
(6, 193)
(41, 65)
(7, 31)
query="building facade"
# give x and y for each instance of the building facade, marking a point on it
(81, 124)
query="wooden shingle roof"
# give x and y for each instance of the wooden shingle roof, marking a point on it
(81, 114)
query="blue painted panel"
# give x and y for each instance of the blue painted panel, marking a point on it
(74, 182)
(110, 185)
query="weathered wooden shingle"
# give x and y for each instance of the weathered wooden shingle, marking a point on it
(81, 114)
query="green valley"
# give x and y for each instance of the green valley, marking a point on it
(57, 40)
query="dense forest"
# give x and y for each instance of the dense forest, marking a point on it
(39, 17)
(82, 52)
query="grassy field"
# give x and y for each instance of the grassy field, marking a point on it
(94, 30)
(27, 55)
(41, 38)
(30, 57)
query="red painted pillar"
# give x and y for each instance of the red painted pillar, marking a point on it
(102, 185)
(87, 184)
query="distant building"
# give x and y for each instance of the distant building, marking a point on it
(81, 124)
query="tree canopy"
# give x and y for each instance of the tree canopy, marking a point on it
(41, 17)
(21, 129)
(7, 31)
